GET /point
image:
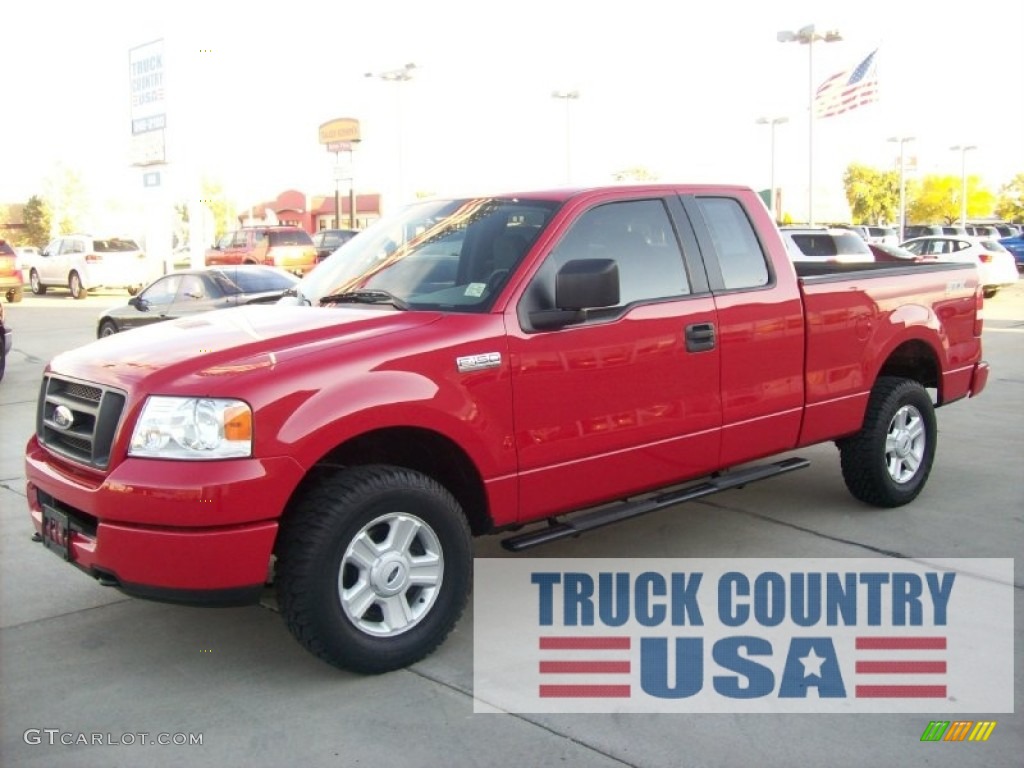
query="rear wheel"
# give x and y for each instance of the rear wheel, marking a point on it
(75, 286)
(887, 463)
(36, 284)
(374, 567)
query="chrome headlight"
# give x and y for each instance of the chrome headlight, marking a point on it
(192, 428)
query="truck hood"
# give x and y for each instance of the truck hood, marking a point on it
(227, 341)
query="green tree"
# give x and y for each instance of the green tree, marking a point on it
(36, 218)
(937, 198)
(637, 173)
(1010, 202)
(224, 213)
(68, 200)
(873, 195)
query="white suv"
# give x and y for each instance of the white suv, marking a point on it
(833, 246)
(82, 263)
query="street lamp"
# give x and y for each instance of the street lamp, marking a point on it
(567, 97)
(963, 149)
(808, 36)
(773, 121)
(401, 75)
(902, 140)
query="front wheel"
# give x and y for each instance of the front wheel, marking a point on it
(989, 293)
(107, 328)
(887, 463)
(374, 566)
(75, 286)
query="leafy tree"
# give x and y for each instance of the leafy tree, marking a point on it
(938, 198)
(873, 195)
(36, 218)
(638, 173)
(1010, 203)
(68, 200)
(224, 214)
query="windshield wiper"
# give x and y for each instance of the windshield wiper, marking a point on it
(365, 296)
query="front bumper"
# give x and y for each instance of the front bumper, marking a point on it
(199, 534)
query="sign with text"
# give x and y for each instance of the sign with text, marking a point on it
(732, 635)
(148, 95)
(342, 129)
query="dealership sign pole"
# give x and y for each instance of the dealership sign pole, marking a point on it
(341, 135)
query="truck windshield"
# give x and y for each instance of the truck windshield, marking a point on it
(448, 254)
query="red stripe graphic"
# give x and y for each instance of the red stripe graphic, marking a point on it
(901, 692)
(900, 643)
(585, 643)
(584, 667)
(584, 691)
(901, 667)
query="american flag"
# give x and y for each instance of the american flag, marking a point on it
(848, 89)
(901, 668)
(585, 668)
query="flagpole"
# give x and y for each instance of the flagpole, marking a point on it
(807, 36)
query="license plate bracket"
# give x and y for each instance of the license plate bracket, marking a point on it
(56, 532)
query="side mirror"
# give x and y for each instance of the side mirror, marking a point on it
(138, 302)
(580, 284)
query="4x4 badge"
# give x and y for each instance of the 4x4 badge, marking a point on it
(478, 362)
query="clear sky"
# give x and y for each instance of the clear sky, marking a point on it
(672, 87)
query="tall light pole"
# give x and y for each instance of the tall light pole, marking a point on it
(773, 121)
(902, 140)
(568, 97)
(963, 149)
(401, 75)
(808, 36)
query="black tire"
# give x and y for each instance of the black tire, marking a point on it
(15, 295)
(338, 574)
(75, 286)
(887, 463)
(37, 287)
(107, 328)
(989, 293)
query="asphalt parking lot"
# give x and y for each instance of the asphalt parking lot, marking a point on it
(78, 658)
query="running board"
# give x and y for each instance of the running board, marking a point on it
(629, 509)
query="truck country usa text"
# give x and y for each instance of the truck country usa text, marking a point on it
(757, 635)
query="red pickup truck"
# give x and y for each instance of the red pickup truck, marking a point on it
(473, 366)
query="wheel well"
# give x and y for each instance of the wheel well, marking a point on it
(423, 451)
(914, 360)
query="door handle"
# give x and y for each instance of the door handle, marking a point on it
(700, 337)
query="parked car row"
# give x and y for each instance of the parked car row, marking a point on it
(997, 266)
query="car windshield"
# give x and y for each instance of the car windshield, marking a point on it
(259, 280)
(114, 244)
(439, 254)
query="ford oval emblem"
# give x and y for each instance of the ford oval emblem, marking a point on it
(63, 417)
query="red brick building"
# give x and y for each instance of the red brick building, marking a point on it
(314, 213)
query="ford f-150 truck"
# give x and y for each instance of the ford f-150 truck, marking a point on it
(473, 366)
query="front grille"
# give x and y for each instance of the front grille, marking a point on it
(78, 420)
